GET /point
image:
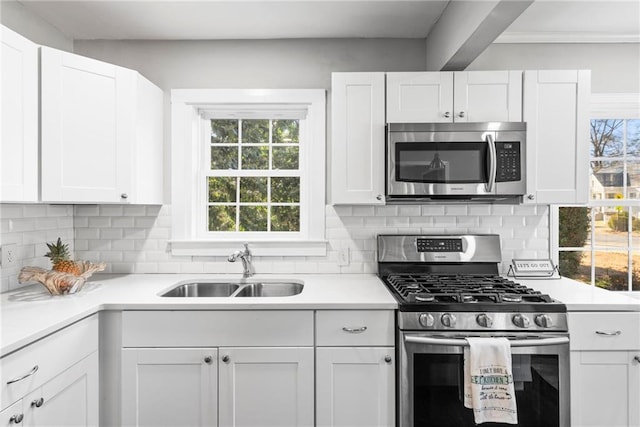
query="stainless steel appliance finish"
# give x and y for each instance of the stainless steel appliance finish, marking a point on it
(455, 161)
(448, 288)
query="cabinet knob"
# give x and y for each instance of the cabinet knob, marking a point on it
(226, 358)
(447, 114)
(124, 196)
(208, 360)
(387, 359)
(16, 419)
(636, 358)
(37, 402)
(531, 196)
(461, 114)
(379, 197)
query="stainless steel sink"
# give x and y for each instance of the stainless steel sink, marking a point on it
(231, 289)
(202, 289)
(270, 290)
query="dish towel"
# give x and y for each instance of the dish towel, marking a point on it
(488, 381)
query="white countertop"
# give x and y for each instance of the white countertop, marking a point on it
(578, 296)
(31, 313)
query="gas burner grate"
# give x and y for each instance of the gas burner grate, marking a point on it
(462, 288)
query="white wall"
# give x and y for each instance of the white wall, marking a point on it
(615, 67)
(20, 19)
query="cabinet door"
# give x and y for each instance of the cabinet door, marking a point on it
(605, 389)
(487, 96)
(266, 387)
(69, 399)
(88, 118)
(355, 386)
(12, 415)
(556, 110)
(169, 387)
(425, 97)
(19, 144)
(357, 138)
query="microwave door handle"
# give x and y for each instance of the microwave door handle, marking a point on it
(493, 159)
(463, 343)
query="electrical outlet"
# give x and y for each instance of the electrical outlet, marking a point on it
(343, 256)
(8, 254)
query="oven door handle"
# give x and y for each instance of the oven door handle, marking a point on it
(493, 159)
(464, 343)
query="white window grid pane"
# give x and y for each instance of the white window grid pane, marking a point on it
(246, 173)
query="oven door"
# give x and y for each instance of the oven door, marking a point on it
(430, 380)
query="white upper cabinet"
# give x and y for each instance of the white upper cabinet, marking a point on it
(19, 144)
(357, 138)
(419, 97)
(445, 97)
(101, 132)
(556, 106)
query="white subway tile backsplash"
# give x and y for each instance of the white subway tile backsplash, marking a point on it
(432, 210)
(29, 227)
(135, 239)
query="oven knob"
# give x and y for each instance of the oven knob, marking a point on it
(544, 320)
(521, 321)
(426, 320)
(484, 320)
(448, 320)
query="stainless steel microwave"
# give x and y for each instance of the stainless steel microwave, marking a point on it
(455, 162)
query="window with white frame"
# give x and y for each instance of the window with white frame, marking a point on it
(250, 168)
(599, 243)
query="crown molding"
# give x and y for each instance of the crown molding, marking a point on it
(566, 37)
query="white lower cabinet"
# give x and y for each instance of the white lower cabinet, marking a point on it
(69, 399)
(605, 369)
(208, 368)
(53, 382)
(355, 368)
(169, 386)
(266, 387)
(354, 386)
(605, 388)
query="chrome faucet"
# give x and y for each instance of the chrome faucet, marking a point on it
(245, 257)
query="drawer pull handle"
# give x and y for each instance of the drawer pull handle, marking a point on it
(355, 330)
(37, 402)
(609, 334)
(15, 380)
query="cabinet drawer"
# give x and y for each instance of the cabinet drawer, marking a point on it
(354, 327)
(46, 358)
(604, 331)
(217, 328)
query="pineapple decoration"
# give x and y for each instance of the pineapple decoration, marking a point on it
(59, 255)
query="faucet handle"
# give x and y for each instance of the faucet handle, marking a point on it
(246, 248)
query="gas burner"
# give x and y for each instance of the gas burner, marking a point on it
(464, 292)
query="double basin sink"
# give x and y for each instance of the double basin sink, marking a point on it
(236, 289)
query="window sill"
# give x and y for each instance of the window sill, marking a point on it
(261, 248)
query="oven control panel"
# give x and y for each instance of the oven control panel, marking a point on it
(438, 245)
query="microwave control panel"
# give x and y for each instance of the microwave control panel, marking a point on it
(508, 165)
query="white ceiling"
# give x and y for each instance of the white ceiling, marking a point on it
(544, 20)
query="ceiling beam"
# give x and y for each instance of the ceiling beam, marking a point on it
(466, 28)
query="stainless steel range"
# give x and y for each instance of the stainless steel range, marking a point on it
(448, 288)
